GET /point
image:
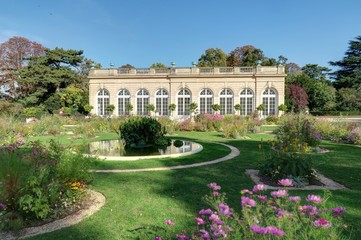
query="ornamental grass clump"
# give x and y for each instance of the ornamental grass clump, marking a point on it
(277, 215)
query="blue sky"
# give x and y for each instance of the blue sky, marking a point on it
(142, 32)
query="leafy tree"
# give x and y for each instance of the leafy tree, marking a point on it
(321, 96)
(296, 97)
(269, 62)
(349, 74)
(46, 75)
(158, 65)
(72, 97)
(14, 55)
(127, 66)
(349, 99)
(293, 68)
(247, 55)
(213, 57)
(316, 72)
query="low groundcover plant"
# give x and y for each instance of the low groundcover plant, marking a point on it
(277, 215)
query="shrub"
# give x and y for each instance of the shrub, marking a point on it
(39, 183)
(297, 133)
(138, 131)
(262, 216)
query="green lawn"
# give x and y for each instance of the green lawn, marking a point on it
(148, 198)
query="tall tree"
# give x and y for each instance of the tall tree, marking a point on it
(349, 74)
(213, 57)
(127, 66)
(14, 55)
(46, 75)
(316, 72)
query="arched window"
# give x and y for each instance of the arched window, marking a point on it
(142, 102)
(269, 100)
(123, 101)
(102, 102)
(206, 101)
(247, 101)
(184, 99)
(226, 101)
(161, 102)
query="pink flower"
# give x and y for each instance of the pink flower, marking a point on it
(281, 213)
(224, 209)
(314, 199)
(214, 217)
(262, 198)
(248, 202)
(214, 186)
(218, 231)
(246, 191)
(321, 222)
(294, 198)
(200, 221)
(274, 231)
(279, 193)
(258, 229)
(310, 210)
(215, 193)
(205, 212)
(337, 211)
(169, 222)
(285, 182)
(158, 238)
(259, 187)
(229, 229)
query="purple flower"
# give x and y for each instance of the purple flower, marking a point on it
(281, 213)
(229, 229)
(337, 211)
(205, 212)
(259, 187)
(279, 193)
(321, 222)
(285, 182)
(294, 198)
(2, 205)
(224, 209)
(218, 231)
(248, 202)
(258, 229)
(310, 210)
(214, 218)
(274, 231)
(158, 238)
(262, 198)
(169, 222)
(204, 234)
(214, 186)
(182, 237)
(200, 221)
(246, 191)
(314, 199)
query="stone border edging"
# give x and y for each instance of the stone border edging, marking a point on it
(234, 153)
(97, 201)
(329, 184)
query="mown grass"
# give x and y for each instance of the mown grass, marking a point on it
(148, 198)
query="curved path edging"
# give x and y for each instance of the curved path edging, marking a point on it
(97, 201)
(234, 153)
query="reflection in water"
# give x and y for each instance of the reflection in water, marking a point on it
(116, 148)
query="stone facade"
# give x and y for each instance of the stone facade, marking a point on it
(226, 86)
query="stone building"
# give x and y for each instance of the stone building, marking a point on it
(226, 86)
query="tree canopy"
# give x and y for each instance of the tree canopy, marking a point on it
(349, 74)
(158, 65)
(15, 53)
(213, 57)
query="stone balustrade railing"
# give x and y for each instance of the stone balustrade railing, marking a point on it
(189, 71)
